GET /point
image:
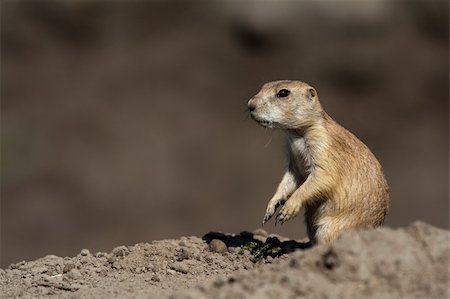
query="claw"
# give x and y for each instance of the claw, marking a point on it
(271, 209)
(267, 217)
(287, 213)
(277, 219)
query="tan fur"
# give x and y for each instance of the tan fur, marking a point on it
(331, 173)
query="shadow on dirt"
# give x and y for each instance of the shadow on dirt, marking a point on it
(272, 246)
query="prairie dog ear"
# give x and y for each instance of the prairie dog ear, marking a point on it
(311, 93)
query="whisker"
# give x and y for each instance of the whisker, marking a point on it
(270, 140)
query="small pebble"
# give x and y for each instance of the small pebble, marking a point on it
(184, 254)
(198, 257)
(69, 266)
(27, 282)
(150, 267)
(85, 252)
(260, 232)
(74, 274)
(180, 267)
(52, 260)
(218, 246)
(120, 251)
(111, 259)
(234, 249)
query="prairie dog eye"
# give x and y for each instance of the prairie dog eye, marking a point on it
(282, 93)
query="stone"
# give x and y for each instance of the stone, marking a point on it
(218, 246)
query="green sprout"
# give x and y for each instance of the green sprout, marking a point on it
(259, 251)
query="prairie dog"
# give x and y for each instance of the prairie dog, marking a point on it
(331, 173)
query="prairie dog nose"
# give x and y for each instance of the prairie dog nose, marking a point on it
(251, 105)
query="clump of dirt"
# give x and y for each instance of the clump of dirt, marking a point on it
(382, 263)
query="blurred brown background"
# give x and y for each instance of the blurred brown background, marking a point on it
(126, 122)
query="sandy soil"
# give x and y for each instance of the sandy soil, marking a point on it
(410, 262)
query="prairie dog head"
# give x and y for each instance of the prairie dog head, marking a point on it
(286, 105)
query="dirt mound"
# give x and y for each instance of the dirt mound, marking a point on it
(383, 263)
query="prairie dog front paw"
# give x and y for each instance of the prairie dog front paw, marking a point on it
(288, 211)
(274, 203)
